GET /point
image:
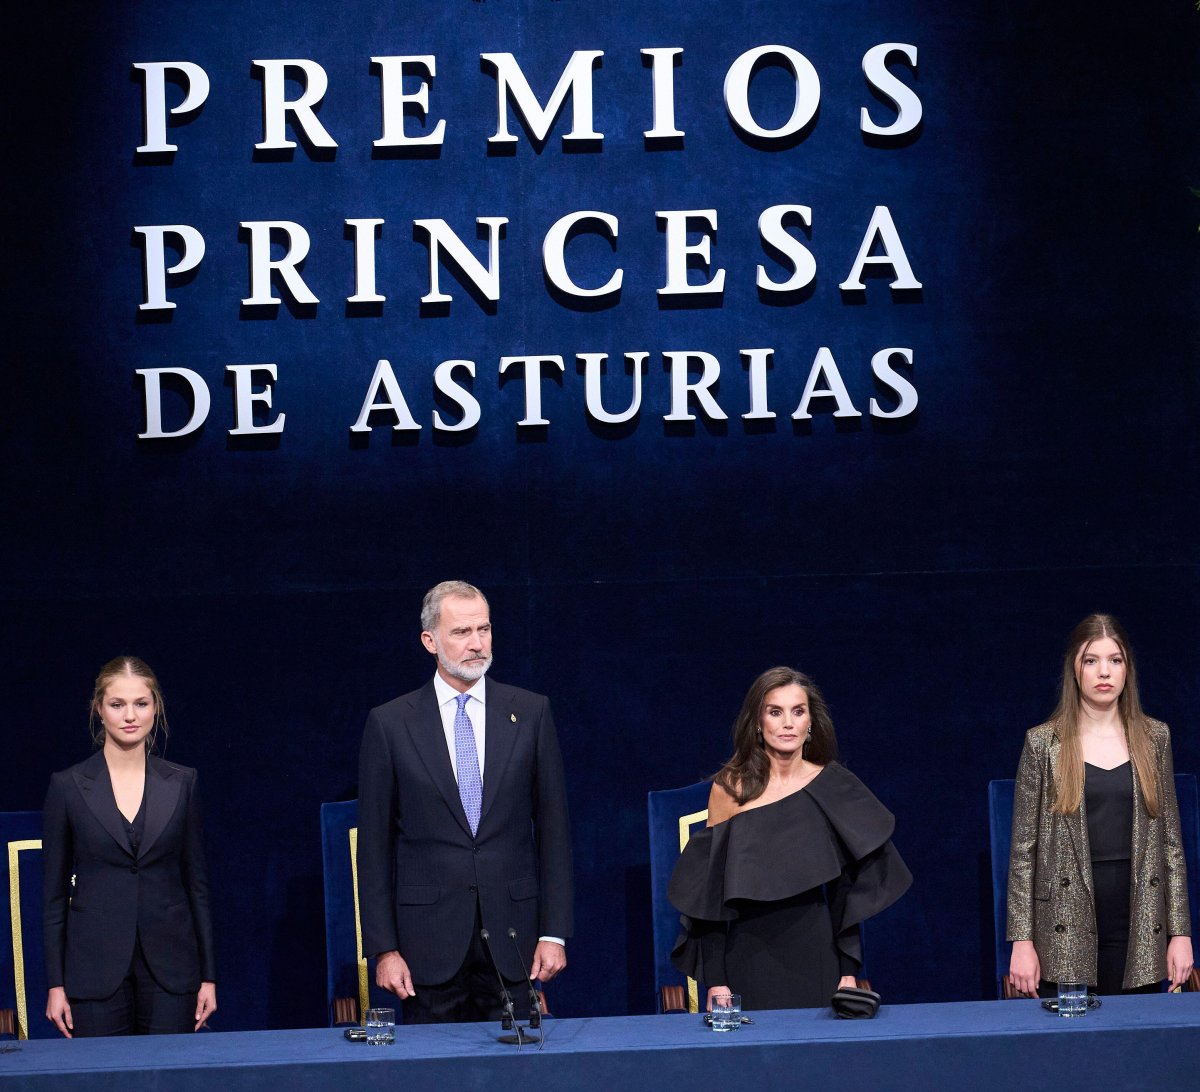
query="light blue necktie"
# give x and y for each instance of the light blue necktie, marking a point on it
(470, 784)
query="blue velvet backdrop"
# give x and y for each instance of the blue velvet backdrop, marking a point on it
(924, 570)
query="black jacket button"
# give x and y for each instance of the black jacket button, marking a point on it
(1157, 930)
(1153, 881)
(133, 869)
(1060, 928)
(1065, 881)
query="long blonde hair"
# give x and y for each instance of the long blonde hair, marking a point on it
(1068, 771)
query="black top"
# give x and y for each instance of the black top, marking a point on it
(1108, 801)
(832, 834)
(136, 830)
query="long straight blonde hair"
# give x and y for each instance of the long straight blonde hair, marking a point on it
(1068, 772)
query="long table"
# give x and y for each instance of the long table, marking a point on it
(1130, 1043)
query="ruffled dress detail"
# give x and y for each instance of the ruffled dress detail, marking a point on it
(826, 848)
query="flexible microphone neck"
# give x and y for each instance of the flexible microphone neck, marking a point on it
(509, 1015)
(535, 1000)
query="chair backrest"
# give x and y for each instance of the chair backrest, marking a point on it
(22, 966)
(674, 815)
(348, 988)
(1000, 809)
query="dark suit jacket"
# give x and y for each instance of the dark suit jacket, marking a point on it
(161, 896)
(1050, 871)
(420, 872)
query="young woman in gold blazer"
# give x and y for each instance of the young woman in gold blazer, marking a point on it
(1097, 884)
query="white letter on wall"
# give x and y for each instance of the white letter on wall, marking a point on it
(154, 257)
(680, 387)
(881, 365)
(511, 84)
(443, 380)
(757, 361)
(737, 89)
(276, 108)
(554, 260)
(385, 378)
(593, 368)
(154, 99)
(200, 402)
(773, 233)
(532, 372)
(245, 396)
(900, 95)
(893, 255)
(440, 236)
(261, 264)
(364, 261)
(663, 77)
(678, 251)
(391, 75)
(824, 365)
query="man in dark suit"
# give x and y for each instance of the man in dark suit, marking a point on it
(462, 826)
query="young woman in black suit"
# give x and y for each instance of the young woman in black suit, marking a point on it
(128, 933)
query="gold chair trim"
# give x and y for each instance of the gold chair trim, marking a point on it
(686, 822)
(18, 944)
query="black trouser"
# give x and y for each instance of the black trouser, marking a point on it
(473, 994)
(139, 1007)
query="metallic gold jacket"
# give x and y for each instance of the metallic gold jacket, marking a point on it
(1050, 871)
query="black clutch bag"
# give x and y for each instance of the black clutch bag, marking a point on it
(851, 1003)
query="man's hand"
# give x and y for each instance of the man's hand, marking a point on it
(391, 973)
(206, 1003)
(548, 959)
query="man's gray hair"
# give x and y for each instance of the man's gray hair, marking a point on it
(431, 606)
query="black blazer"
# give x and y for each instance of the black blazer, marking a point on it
(161, 896)
(421, 874)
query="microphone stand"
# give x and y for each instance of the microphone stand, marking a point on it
(520, 1035)
(535, 999)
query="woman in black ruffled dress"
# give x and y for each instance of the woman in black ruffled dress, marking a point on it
(796, 855)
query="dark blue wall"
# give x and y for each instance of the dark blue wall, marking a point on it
(925, 571)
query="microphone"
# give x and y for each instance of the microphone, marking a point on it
(535, 1002)
(509, 1016)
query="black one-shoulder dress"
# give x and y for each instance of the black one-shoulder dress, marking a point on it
(772, 899)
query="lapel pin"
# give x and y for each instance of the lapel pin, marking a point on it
(512, 717)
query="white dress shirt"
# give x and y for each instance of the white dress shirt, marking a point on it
(476, 710)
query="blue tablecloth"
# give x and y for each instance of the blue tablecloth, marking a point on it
(1131, 1042)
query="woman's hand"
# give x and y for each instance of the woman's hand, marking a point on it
(847, 981)
(712, 990)
(206, 1003)
(1179, 960)
(1024, 970)
(58, 1010)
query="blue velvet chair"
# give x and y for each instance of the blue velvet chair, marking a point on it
(22, 967)
(349, 983)
(674, 815)
(1000, 809)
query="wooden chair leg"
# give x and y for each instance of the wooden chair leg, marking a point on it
(345, 1011)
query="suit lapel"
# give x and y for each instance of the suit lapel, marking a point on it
(503, 724)
(163, 785)
(92, 780)
(429, 738)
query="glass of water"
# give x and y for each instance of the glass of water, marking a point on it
(1072, 998)
(381, 1027)
(726, 1011)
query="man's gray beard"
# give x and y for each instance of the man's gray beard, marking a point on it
(469, 673)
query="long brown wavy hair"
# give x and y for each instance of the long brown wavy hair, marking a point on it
(114, 669)
(1068, 771)
(747, 772)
